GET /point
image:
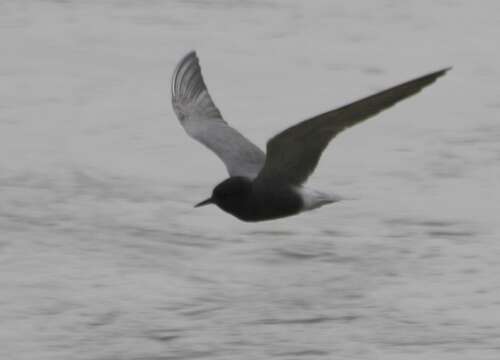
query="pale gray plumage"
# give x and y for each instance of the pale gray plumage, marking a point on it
(202, 120)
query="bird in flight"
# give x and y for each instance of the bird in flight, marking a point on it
(265, 186)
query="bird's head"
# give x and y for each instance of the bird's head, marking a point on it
(229, 194)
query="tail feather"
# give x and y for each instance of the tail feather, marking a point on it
(313, 199)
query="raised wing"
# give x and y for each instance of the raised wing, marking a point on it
(293, 154)
(202, 120)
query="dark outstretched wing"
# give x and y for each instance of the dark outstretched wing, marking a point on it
(293, 154)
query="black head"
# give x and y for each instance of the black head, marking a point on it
(231, 194)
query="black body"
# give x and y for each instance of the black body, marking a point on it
(240, 197)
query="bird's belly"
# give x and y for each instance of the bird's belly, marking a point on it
(268, 205)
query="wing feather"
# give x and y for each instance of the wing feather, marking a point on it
(293, 154)
(203, 121)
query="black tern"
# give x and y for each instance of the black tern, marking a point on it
(265, 187)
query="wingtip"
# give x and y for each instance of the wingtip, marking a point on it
(443, 71)
(187, 60)
(433, 76)
(190, 54)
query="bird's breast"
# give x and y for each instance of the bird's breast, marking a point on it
(267, 203)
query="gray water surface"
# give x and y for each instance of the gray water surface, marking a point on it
(102, 255)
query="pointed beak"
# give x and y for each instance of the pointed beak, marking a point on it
(205, 202)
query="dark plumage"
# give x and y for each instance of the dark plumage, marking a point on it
(239, 197)
(269, 186)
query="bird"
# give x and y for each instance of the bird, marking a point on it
(266, 186)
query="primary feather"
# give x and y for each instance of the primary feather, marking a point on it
(203, 121)
(293, 154)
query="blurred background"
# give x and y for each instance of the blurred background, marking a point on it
(102, 255)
